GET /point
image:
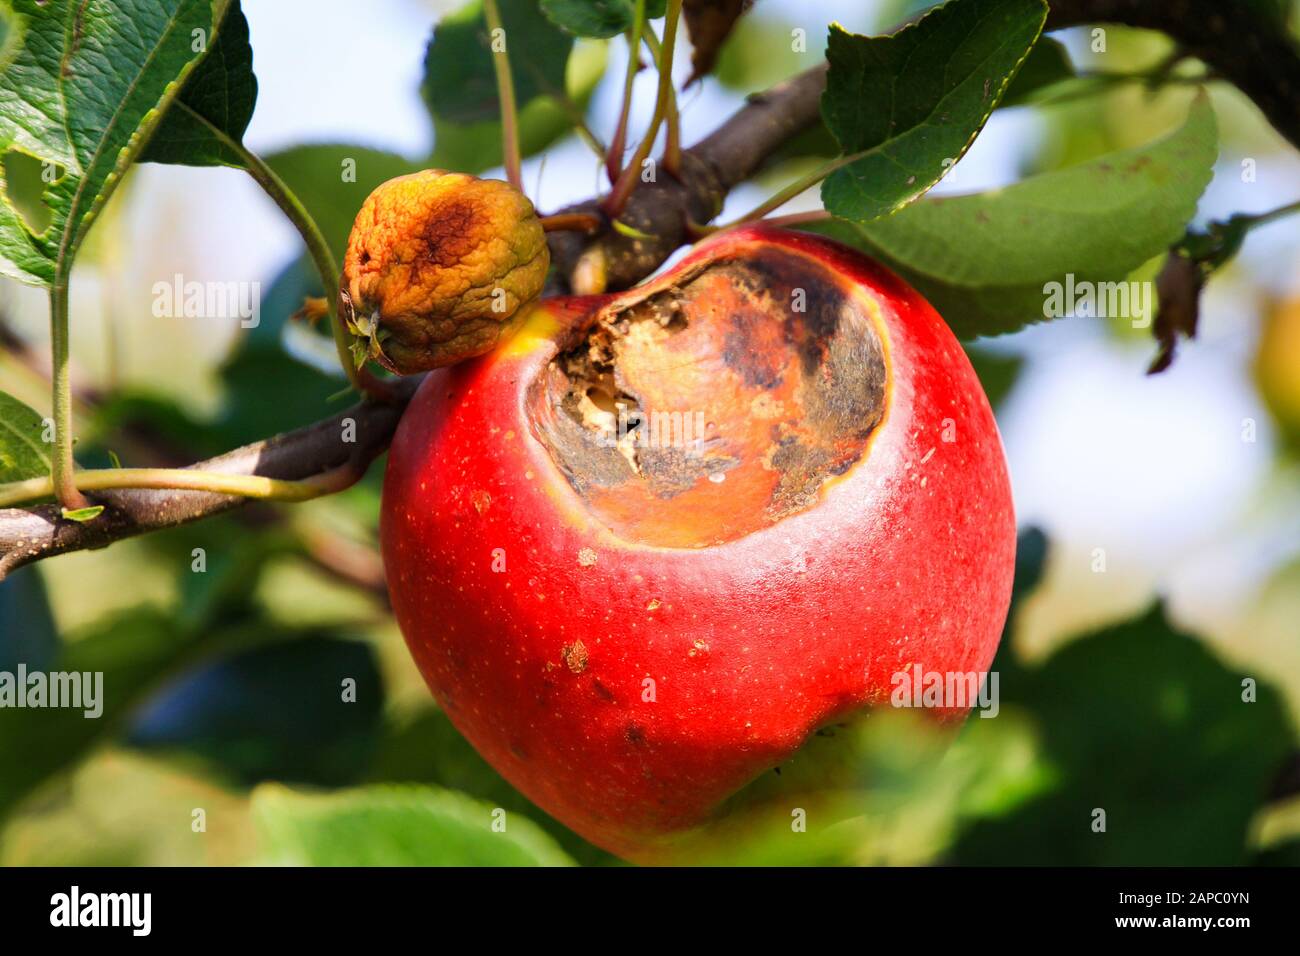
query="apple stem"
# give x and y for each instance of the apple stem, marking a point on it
(613, 203)
(799, 186)
(673, 139)
(506, 95)
(614, 156)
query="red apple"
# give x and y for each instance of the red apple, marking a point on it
(630, 631)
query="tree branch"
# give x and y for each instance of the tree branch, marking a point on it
(1234, 37)
(29, 534)
(663, 210)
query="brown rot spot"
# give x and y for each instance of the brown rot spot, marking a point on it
(575, 656)
(705, 411)
(450, 233)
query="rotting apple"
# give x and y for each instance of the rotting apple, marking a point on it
(630, 628)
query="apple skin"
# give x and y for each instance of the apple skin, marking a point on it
(752, 644)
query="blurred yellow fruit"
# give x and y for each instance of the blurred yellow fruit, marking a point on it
(1277, 366)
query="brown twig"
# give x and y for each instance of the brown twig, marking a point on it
(572, 222)
(664, 209)
(29, 534)
(351, 562)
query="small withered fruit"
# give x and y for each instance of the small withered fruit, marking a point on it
(438, 265)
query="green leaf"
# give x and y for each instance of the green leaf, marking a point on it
(1142, 721)
(423, 747)
(214, 107)
(474, 147)
(131, 651)
(1048, 63)
(1277, 12)
(82, 515)
(9, 35)
(333, 179)
(459, 81)
(23, 452)
(600, 19)
(887, 787)
(394, 826)
(27, 631)
(1032, 548)
(113, 809)
(25, 180)
(267, 392)
(986, 260)
(84, 92)
(759, 54)
(623, 229)
(908, 106)
(274, 712)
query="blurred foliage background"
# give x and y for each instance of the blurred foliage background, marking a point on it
(1121, 689)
